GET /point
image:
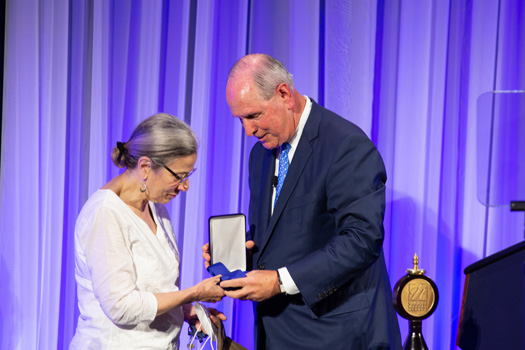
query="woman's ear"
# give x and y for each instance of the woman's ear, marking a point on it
(144, 165)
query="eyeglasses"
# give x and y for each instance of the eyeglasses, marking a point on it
(178, 177)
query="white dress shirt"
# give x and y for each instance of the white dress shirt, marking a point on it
(119, 264)
(289, 285)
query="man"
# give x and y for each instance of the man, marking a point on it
(317, 200)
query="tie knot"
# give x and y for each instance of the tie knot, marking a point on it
(285, 147)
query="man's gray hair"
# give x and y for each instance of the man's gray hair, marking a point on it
(267, 73)
(161, 137)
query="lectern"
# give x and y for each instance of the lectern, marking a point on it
(492, 315)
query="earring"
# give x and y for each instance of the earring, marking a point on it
(141, 187)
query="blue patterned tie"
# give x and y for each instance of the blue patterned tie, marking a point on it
(283, 169)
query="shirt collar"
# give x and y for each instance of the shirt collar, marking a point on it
(294, 141)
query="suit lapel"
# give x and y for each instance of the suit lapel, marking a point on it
(300, 158)
(265, 195)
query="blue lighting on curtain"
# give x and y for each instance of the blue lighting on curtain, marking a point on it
(422, 79)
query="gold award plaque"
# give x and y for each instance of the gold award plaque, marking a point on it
(418, 297)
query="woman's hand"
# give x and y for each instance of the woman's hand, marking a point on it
(215, 315)
(190, 316)
(209, 290)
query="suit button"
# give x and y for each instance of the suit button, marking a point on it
(260, 267)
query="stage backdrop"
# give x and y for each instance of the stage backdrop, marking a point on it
(80, 75)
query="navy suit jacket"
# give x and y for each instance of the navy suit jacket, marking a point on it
(327, 229)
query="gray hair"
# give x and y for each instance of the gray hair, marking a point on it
(161, 138)
(267, 73)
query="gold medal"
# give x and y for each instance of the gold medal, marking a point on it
(415, 298)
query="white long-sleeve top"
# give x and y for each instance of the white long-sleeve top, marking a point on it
(119, 264)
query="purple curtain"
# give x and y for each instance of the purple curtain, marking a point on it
(79, 76)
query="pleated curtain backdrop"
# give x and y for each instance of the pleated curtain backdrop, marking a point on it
(80, 75)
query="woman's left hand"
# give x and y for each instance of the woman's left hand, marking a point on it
(215, 315)
(190, 315)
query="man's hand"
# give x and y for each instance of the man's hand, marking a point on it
(206, 252)
(258, 285)
(206, 255)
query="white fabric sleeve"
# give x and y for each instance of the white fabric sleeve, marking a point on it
(288, 283)
(108, 257)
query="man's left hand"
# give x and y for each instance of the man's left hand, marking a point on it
(258, 285)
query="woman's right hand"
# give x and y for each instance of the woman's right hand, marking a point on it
(209, 290)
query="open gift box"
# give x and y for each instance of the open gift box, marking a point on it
(227, 234)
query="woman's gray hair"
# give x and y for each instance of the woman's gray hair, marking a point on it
(267, 73)
(161, 138)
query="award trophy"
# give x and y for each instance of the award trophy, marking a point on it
(415, 298)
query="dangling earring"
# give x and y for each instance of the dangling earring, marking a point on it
(141, 187)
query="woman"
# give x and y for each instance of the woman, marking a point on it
(126, 257)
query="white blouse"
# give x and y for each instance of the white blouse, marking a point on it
(119, 264)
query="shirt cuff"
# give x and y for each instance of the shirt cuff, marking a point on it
(288, 283)
(150, 307)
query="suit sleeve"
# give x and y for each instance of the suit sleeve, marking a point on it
(355, 199)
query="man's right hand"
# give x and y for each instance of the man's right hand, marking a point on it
(206, 252)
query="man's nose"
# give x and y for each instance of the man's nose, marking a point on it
(249, 127)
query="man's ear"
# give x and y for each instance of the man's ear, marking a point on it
(286, 94)
(144, 165)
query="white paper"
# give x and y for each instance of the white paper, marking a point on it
(204, 316)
